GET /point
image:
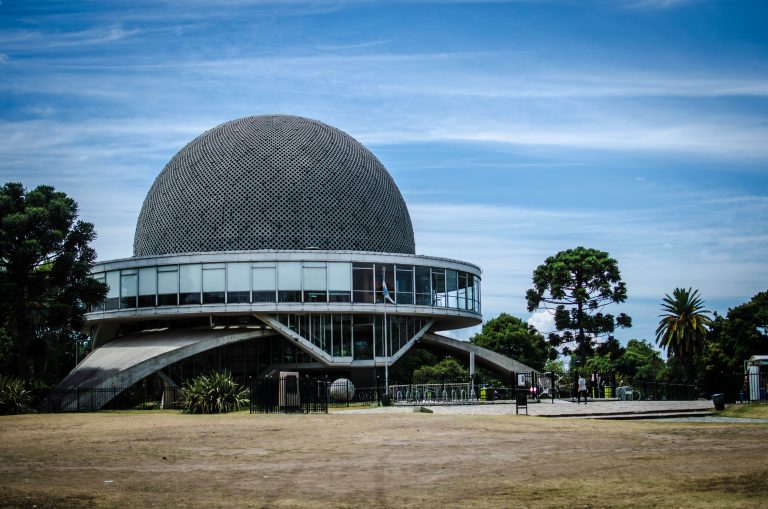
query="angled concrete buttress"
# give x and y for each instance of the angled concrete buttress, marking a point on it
(124, 361)
(490, 359)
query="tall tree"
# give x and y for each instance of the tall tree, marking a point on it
(45, 264)
(510, 336)
(732, 339)
(683, 327)
(575, 285)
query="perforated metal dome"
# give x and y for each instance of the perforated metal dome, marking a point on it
(273, 182)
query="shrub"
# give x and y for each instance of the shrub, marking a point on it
(14, 397)
(216, 393)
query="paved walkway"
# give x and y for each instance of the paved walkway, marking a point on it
(559, 408)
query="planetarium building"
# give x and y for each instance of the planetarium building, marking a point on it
(272, 243)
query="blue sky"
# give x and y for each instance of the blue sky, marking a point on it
(515, 129)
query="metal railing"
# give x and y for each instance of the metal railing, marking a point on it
(85, 399)
(615, 385)
(749, 387)
(289, 394)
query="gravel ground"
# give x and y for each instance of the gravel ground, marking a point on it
(380, 458)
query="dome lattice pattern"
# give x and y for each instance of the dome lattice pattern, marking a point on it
(273, 182)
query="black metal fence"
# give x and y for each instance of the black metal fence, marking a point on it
(312, 395)
(615, 385)
(475, 390)
(289, 394)
(652, 390)
(750, 387)
(84, 399)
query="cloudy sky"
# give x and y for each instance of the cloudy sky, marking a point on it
(515, 129)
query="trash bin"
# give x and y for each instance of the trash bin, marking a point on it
(719, 401)
(608, 392)
(386, 400)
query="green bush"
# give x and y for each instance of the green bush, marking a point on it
(14, 397)
(216, 393)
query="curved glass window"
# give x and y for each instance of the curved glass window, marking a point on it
(423, 286)
(339, 282)
(190, 284)
(168, 286)
(101, 277)
(238, 283)
(289, 281)
(362, 282)
(462, 292)
(147, 287)
(404, 284)
(128, 288)
(308, 282)
(113, 290)
(385, 272)
(214, 283)
(264, 282)
(315, 283)
(452, 288)
(439, 297)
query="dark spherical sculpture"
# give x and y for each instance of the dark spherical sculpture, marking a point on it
(273, 182)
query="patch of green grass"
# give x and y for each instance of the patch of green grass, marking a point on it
(749, 410)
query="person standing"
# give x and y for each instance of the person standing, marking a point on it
(582, 390)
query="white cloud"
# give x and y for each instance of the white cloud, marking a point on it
(508, 243)
(34, 41)
(659, 4)
(543, 321)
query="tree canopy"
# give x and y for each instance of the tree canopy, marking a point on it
(510, 336)
(446, 369)
(732, 339)
(45, 264)
(641, 360)
(575, 285)
(683, 327)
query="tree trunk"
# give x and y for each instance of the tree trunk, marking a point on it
(20, 335)
(20, 330)
(580, 318)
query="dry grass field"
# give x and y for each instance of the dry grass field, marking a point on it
(165, 459)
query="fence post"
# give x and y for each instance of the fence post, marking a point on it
(552, 386)
(327, 394)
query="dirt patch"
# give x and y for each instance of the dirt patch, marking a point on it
(164, 459)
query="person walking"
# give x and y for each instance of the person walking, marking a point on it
(582, 390)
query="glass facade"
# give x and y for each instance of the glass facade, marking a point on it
(190, 284)
(214, 283)
(309, 282)
(238, 283)
(362, 337)
(168, 285)
(147, 287)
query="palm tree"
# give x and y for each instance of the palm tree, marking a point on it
(683, 326)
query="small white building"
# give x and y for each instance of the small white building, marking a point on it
(756, 369)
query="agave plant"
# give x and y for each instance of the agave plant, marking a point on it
(14, 397)
(216, 393)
